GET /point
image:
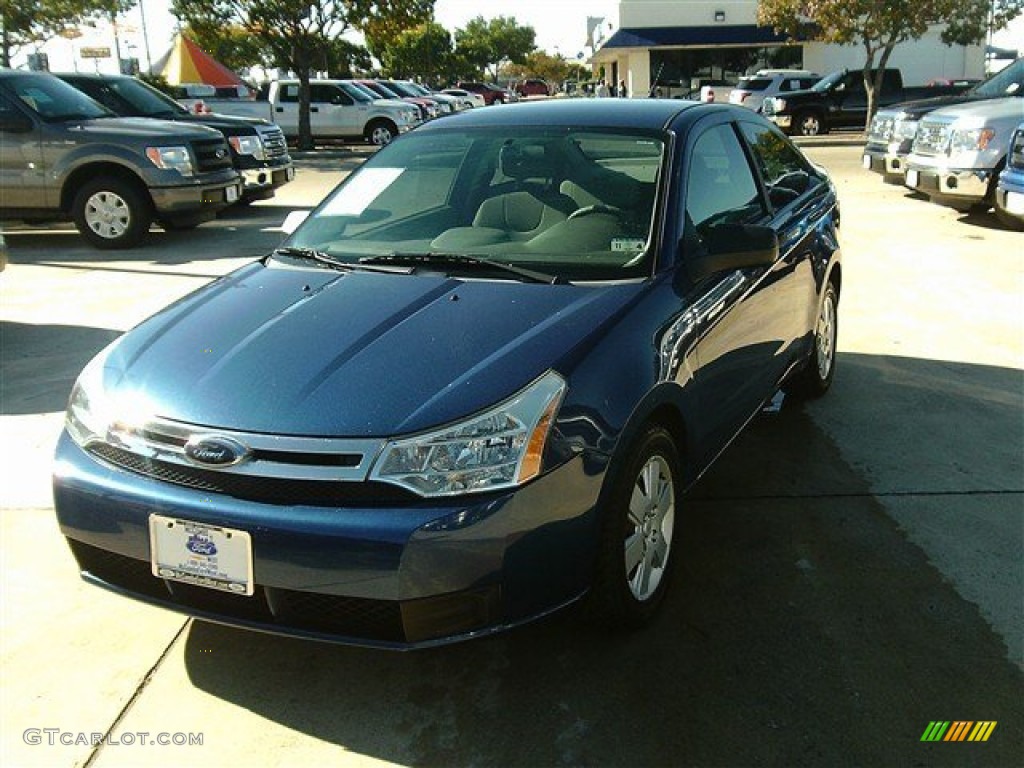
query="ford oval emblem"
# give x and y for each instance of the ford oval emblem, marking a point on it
(199, 544)
(215, 451)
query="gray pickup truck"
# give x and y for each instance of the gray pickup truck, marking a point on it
(64, 156)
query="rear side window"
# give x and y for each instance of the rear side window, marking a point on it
(785, 173)
(754, 83)
(721, 186)
(797, 83)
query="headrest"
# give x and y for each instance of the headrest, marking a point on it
(522, 160)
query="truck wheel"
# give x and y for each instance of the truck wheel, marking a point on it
(381, 133)
(809, 124)
(111, 213)
(637, 533)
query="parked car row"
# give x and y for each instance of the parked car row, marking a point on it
(63, 155)
(955, 149)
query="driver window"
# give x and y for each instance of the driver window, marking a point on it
(721, 186)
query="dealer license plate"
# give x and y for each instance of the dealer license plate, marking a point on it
(866, 161)
(231, 194)
(200, 554)
(912, 178)
(290, 173)
(1015, 203)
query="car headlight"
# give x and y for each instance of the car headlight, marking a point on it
(247, 145)
(93, 416)
(905, 129)
(497, 449)
(971, 140)
(171, 159)
(778, 105)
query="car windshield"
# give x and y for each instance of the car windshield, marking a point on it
(357, 93)
(129, 96)
(382, 92)
(365, 90)
(1006, 82)
(576, 204)
(753, 83)
(54, 100)
(828, 81)
(401, 88)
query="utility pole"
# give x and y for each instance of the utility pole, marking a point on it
(145, 37)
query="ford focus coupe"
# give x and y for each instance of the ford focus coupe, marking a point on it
(471, 388)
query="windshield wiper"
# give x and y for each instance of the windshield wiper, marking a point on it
(325, 258)
(429, 259)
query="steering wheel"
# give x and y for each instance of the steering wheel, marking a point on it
(596, 208)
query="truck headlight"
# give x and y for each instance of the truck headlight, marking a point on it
(247, 145)
(778, 105)
(171, 159)
(497, 449)
(905, 129)
(971, 140)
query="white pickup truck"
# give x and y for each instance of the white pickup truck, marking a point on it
(337, 110)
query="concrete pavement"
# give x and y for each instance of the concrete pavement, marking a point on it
(852, 568)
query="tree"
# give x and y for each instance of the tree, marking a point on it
(33, 23)
(881, 26)
(298, 34)
(484, 46)
(424, 51)
(553, 69)
(382, 30)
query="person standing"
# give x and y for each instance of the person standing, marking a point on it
(603, 91)
(622, 89)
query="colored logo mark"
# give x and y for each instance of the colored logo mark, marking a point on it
(958, 730)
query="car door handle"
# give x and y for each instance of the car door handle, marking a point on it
(279, 109)
(314, 109)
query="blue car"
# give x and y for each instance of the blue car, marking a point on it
(1009, 197)
(471, 388)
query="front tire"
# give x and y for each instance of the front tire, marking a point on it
(816, 378)
(112, 213)
(639, 520)
(380, 133)
(809, 124)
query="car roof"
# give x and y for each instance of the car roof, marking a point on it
(652, 114)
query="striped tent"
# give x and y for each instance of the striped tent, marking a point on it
(186, 62)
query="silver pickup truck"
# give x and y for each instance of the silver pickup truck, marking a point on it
(64, 156)
(338, 110)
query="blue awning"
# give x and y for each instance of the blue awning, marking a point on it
(719, 34)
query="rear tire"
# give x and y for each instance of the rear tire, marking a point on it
(112, 213)
(815, 379)
(638, 524)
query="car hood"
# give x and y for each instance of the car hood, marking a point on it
(1008, 110)
(316, 352)
(218, 120)
(143, 128)
(918, 107)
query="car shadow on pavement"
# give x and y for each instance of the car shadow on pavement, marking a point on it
(39, 364)
(801, 628)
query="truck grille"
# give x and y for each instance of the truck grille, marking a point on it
(274, 144)
(212, 155)
(932, 138)
(1017, 150)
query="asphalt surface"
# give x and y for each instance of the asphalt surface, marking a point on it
(851, 569)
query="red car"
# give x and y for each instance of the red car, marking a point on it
(493, 94)
(533, 87)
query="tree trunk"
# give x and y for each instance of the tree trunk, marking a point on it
(5, 50)
(305, 140)
(874, 89)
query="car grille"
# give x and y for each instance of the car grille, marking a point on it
(274, 144)
(932, 138)
(881, 128)
(212, 155)
(340, 616)
(267, 490)
(1017, 150)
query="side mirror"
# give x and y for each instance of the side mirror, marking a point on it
(734, 246)
(12, 123)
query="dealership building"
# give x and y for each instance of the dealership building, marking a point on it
(673, 47)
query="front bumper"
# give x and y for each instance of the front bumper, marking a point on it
(404, 575)
(1010, 193)
(966, 186)
(202, 197)
(260, 183)
(886, 161)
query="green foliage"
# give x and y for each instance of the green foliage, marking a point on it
(425, 51)
(33, 23)
(232, 45)
(540, 64)
(483, 46)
